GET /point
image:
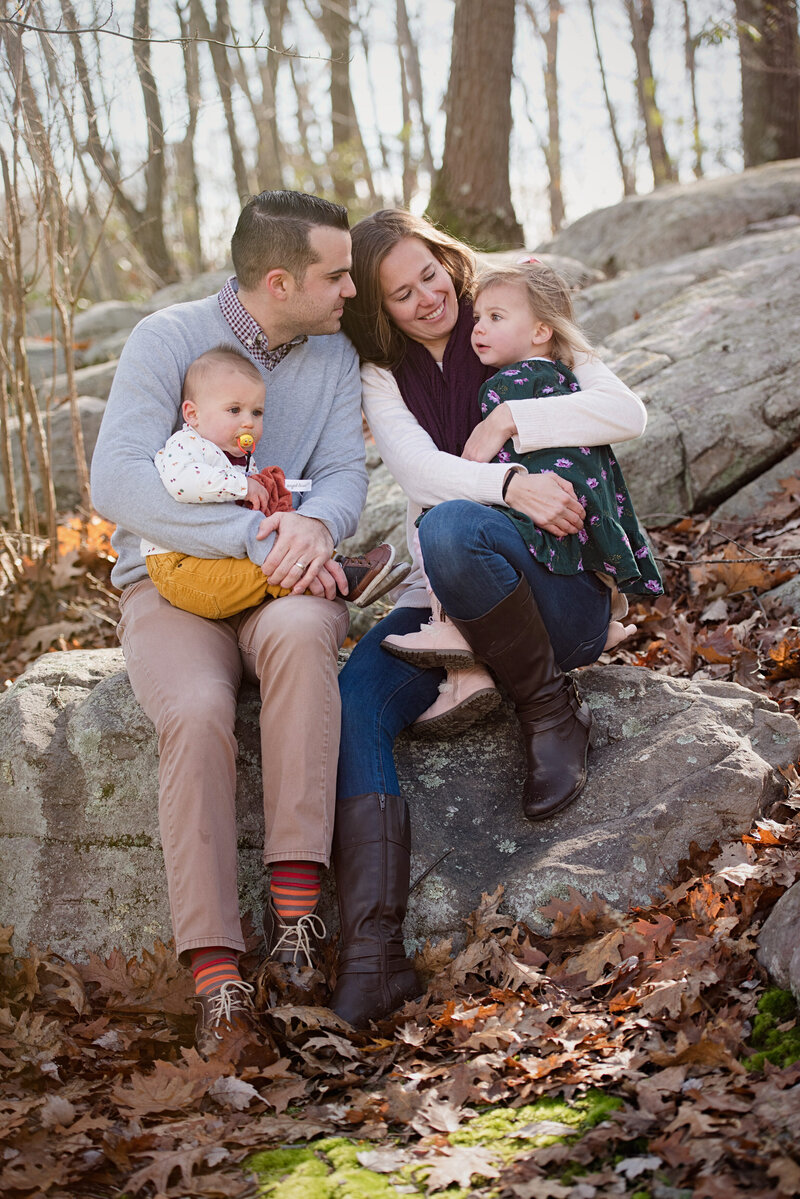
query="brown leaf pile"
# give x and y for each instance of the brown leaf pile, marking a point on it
(60, 605)
(101, 1091)
(715, 620)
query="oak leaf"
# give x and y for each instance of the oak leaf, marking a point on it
(457, 1165)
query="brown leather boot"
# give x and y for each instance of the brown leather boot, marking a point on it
(512, 640)
(372, 858)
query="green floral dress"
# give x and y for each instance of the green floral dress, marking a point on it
(611, 541)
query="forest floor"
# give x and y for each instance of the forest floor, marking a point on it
(640, 1053)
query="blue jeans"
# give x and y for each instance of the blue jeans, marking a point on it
(474, 558)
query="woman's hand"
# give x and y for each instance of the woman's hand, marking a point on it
(490, 435)
(548, 500)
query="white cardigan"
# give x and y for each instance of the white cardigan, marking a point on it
(603, 411)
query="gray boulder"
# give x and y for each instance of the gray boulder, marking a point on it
(62, 454)
(80, 863)
(779, 942)
(107, 349)
(99, 321)
(718, 367)
(750, 499)
(606, 306)
(90, 380)
(42, 360)
(676, 219)
(189, 289)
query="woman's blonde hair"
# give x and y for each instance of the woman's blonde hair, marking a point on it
(549, 299)
(365, 321)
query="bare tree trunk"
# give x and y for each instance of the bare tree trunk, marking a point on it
(409, 55)
(642, 17)
(270, 154)
(689, 55)
(146, 225)
(628, 182)
(361, 25)
(187, 184)
(769, 50)
(409, 172)
(552, 150)
(304, 130)
(335, 25)
(224, 77)
(471, 194)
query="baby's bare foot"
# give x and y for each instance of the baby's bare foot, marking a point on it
(617, 631)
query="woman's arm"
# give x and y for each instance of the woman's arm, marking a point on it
(602, 412)
(427, 475)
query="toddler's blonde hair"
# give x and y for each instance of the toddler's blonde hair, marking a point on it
(549, 299)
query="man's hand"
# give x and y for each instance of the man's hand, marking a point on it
(487, 438)
(548, 500)
(300, 559)
(257, 496)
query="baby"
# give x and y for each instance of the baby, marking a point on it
(207, 461)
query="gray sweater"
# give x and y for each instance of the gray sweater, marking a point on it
(312, 429)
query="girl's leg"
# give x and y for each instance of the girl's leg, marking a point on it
(476, 557)
(528, 626)
(372, 835)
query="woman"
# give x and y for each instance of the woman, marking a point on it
(411, 323)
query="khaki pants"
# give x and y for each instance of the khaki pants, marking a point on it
(212, 587)
(185, 672)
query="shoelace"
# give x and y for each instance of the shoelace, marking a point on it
(232, 997)
(297, 937)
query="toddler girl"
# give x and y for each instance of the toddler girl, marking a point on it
(524, 326)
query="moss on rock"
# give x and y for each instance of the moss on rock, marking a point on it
(776, 1031)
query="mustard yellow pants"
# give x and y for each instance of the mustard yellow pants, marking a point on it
(216, 588)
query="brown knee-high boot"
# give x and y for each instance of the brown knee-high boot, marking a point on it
(512, 640)
(372, 858)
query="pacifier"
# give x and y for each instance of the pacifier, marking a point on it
(245, 442)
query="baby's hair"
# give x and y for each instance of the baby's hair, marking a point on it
(199, 370)
(549, 299)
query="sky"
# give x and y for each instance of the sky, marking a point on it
(590, 172)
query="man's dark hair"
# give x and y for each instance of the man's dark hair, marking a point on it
(272, 231)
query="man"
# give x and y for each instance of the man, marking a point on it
(291, 254)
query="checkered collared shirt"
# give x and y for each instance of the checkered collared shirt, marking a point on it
(249, 332)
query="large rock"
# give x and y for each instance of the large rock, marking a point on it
(676, 219)
(606, 306)
(189, 289)
(80, 863)
(99, 321)
(779, 942)
(718, 366)
(748, 501)
(90, 380)
(62, 453)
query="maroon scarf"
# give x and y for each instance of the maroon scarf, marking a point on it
(445, 402)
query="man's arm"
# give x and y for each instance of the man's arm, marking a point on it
(334, 504)
(140, 417)
(336, 464)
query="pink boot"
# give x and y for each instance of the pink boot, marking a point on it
(464, 698)
(437, 643)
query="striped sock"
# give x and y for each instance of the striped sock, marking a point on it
(212, 967)
(294, 888)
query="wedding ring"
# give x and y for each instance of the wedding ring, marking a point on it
(302, 566)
